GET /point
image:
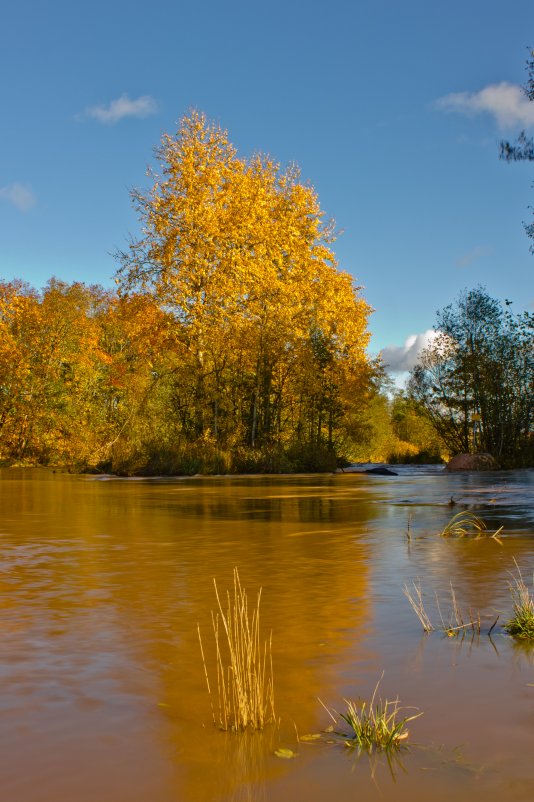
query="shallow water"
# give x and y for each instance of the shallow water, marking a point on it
(103, 582)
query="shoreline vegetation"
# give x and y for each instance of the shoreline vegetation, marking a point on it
(358, 467)
(256, 465)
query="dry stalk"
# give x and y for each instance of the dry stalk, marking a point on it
(244, 667)
(409, 527)
(416, 600)
(455, 622)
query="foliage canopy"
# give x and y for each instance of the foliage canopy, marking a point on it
(523, 149)
(476, 379)
(271, 335)
(234, 342)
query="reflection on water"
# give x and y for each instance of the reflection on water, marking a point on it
(103, 583)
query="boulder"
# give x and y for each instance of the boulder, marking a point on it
(381, 471)
(472, 462)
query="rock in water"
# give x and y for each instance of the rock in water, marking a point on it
(472, 462)
(381, 471)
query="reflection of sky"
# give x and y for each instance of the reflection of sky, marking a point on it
(504, 497)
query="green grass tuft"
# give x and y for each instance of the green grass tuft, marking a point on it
(521, 625)
(377, 724)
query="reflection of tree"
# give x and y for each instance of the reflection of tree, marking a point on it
(127, 568)
(108, 580)
(314, 581)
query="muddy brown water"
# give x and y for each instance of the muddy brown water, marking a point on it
(103, 582)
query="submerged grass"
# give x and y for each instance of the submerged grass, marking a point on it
(467, 523)
(245, 694)
(376, 724)
(521, 625)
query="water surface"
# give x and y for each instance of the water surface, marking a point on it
(103, 582)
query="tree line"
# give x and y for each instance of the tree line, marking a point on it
(94, 379)
(234, 343)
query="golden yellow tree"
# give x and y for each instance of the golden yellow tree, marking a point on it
(49, 359)
(239, 253)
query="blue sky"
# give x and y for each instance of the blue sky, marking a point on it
(394, 112)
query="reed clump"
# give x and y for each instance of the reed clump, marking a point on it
(466, 523)
(521, 625)
(377, 724)
(245, 693)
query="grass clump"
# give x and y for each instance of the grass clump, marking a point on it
(467, 523)
(244, 665)
(521, 625)
(377, 724)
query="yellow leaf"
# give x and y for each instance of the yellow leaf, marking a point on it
(286, 754)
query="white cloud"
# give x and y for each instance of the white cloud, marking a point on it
(398, 358)
(507, 103)
(474, 255)
(19, 195)
(120, 108)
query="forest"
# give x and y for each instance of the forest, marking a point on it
(232, 342)
(94, 380)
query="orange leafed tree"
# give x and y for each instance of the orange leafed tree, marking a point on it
(78, 367)
(49, 363)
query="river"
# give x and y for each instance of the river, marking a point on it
(103, 582)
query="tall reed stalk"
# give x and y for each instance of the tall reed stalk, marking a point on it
(416, 600)
(244, 665)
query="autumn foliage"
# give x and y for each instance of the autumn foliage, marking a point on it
(233, 341)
